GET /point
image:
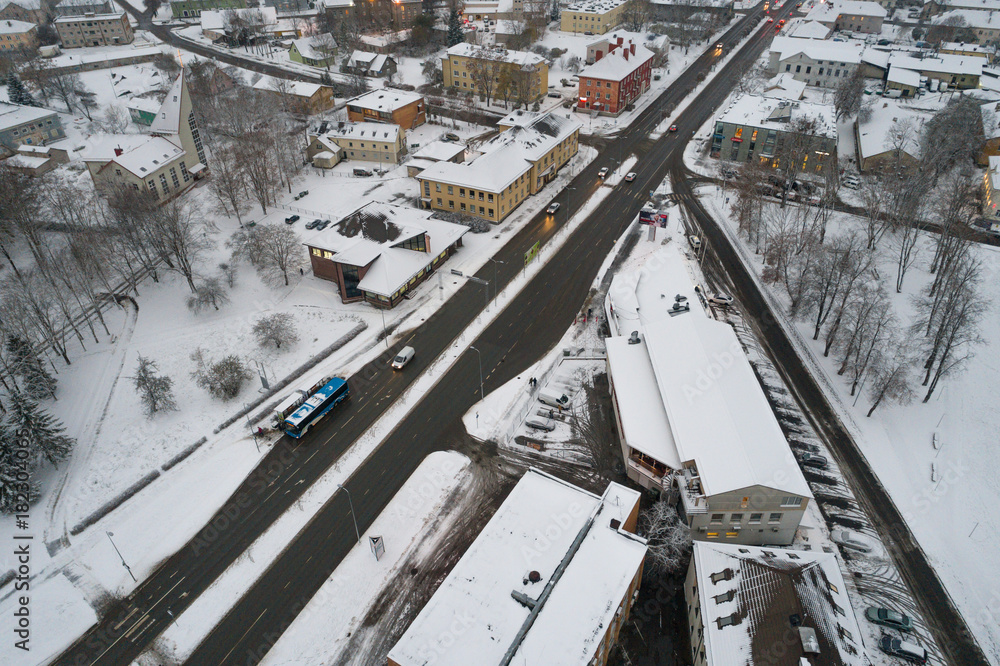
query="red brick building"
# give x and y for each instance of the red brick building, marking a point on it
(617, 78)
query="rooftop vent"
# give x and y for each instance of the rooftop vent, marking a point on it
(615, 523)
(634, 338)
(533, 577)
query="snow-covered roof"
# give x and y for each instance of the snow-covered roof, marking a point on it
(367, 236)
(307, 46)
(991, 119)
(510, 154)
(143, 104)
(101, 54)
(212, 19)
(940, 62)
(593, 6)
(168, 117)
(765, 112)
(439, 151)
(748, 595)
(809, 30)
(12, 115)
(26, 161)
(717, 414)
(139, 154)
(12, 27)
(374, 61)
(906, 77)
(362, 130)
(829, 11)
(981, 5)
(974, 19)
(873, 135)
(522, 58)
(784, 86)
(967, 48)
(474, 619)
(386, 99)
(618, 63)
(91, 17)
(815, 49)
(298, 88)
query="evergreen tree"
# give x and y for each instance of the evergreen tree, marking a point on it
(156, 391)
(17, 93)
(24, 362)
(455, 33)
(41, 432)
(15, 475)
(325, 79)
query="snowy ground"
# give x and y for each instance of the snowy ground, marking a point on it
(896, 440)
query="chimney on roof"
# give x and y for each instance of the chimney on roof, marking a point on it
(620, 41)
(631, 48)
(118, 152)
(625, 53)
(598, 55)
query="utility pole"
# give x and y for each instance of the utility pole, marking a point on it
(482, 392)
(111, 534)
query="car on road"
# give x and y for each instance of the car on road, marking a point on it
(781, 22)
(770, 20)
(889, 618)
(813, 460)
(603, 173)
(630, 176)
(720, 299)
(851, 540)
(552, 209)
(292, 219)
(404, 356)
(695, 242)
(718, 46)
(540, 423)
(673, 128)
(903, 649)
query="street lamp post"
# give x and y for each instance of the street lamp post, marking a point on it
(482, 393)
(111, 534)
(496, 284)
(353, 517)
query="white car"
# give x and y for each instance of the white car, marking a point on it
(851, 540)
(630, 176)
(852, 182)
(695, 242)
(553, 207)
(540, 423)
(603, 173)
(720, 299)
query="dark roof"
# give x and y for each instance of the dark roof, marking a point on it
(373, 225)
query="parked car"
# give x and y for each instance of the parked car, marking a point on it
(813, 460)
(695, 242)
(540, 423)
(553, 398)
(852, 182)
(451, 136)
(889, 618)
(552, 209)
(603, 173)
(902, 649)
(851, 540)
(404, 356)
(363, 173)
(323, 225)
(884, 42)
(555, 94)
(314, 224)
(292, 219)
(720, 299)
(673, 128)
(630, 176)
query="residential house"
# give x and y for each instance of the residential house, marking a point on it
(289, 6)
(852, 15)
(379, 253)
(459, 64)
(28, 125)
(975, 50)
(527, 154)
(238, 25)
(758, 127)
(753, 605)
(617, 78)
(81, 7)
(164, 162)
(692, 419)
(17, 35)
(877, 143)
(98, 59)
(299, 96)
(955, 71)
(906, 81)
(30, 11)
(808, 30)
(985, 25)
(368, 63)
(382, 143)
(33, 161)
(784, 86)
(406, 109)
(991, 188)
(550, 580)
(113, 29)
(194, 8)
(816, 62)
(434, 152)
(592, 16)
(990, 113)
(316, 51)
(600, 45)
(937, 7)
(372, 14)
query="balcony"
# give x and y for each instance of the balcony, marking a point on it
(692, 495)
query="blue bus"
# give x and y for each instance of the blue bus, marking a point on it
(315, 407)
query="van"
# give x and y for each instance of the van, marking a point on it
(853, 182)
(404, 356)
(553, 398)
(893, 94)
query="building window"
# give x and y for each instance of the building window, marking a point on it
(717, 518)
(713, 535)
(791, 500)
(462, 205)
(755, 518)
(439, 201)
(774, 518)
(736, 518)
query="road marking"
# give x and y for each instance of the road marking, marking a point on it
(244, 635)
(125, 619)
(135, 626)
(146, 614)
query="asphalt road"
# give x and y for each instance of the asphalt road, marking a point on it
(530, 325)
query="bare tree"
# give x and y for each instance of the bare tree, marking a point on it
(841, 263)
(848, 94)
(668, 539)
(748, 203)
(952, 137)
(635, 15)
(275, 329)
(484, 69)
(229, 182)
(870, 325)
(209, 293)
(281, 253)
(114, 120)
(890, 376)
(223, 379)
(182, 233)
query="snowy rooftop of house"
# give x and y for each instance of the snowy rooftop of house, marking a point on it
(981, 5)
(297, 88)
(941, 62)
(334, 3)
(649, 39)
(217, 20)
(748, 594)
(12, 27)
(439, 151)
(384, 100)
(90, 17)
(77, 3)
(809, 30)
(12, 115)
(141, 154)
(716, 411)
(593, 6)
(522, 58)
(26, 161)
(507, 156)
(991, 119)
(101, 54)
(876, 57)
(784, 86)
(874, 135)
(906, 77)
(369, 234)
(374, 61)
(967, 48)
(143, 104)
(132, 80)
(829, 11)
(817, 49)
(974, 19)
(168, 117)
(765, 112)
(307, 46)
(473, 618)
(618, 63)
(362, 130)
